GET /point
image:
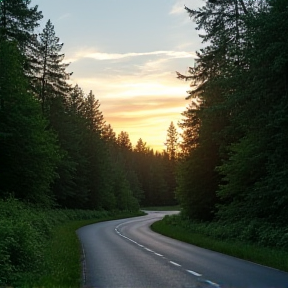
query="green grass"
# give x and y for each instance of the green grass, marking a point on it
(262, 255)
(161, 208)
(62, 255)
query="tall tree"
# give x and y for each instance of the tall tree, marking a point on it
(123, 140)
(51, 74)
(141, 146)
(29, 153)
(18, 21)
(76, 101)
(254, 172)
(190, 126)
(211, 85)
(93, 115)
(172, 141)
(108, 134)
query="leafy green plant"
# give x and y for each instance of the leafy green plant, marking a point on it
(41, 244)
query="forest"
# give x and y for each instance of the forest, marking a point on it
(60, 160)
(232, 178)
(56, 148)
(230, 169)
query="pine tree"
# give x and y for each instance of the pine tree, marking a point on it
(141, 146)
(51, 71)
(172, 142)
(254, 172)
(93, 115)
(28, 151)
(190, 126)
(18, 21)
(17, 24)
(76, 101)
(108, 134)
(123, 141)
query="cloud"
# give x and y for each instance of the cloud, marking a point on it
(101, 56)
(178, 8)
(138, 93)
(64, 16)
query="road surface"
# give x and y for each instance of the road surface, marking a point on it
(126, 253)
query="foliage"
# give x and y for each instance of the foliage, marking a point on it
(18, 22)
(251, 241)
(237, 169)
(29, 152)
(172, 141)
(257, 165)
(31, 248)
(51, 75)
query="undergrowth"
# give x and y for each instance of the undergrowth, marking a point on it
(257, 242)
(39, 247)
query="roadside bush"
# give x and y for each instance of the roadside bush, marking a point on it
(254, 232)
(25, 232)
(20, 241)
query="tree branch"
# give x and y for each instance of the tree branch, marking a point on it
(244, 7)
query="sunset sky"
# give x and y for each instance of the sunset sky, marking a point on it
(127, 52)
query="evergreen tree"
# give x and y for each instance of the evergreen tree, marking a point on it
(241, 70)
(211, 77)
(108, 134)
(93, 115)
(71, 188)
(190, 126)
(141, 146)
(172, 142)
(76, 101)
(51, 72)
(18, 21)
(254, 172)
(123, 141)
(17, 24)
(123, 194)
(29, 153)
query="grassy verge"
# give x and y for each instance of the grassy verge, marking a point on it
(62, 255)
(162, 208)
(262, 255)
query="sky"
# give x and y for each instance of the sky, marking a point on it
(127, 52)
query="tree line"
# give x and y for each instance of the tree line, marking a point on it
(56, 148)
(233, 165)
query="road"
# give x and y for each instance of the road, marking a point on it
(126, 253)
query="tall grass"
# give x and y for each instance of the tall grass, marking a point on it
(39, 247)
(162, 208)
(62, 256)
(197, 234)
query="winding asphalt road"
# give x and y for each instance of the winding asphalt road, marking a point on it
(126, 253)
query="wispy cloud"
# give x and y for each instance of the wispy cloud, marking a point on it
(145, 113)
(178, 8)
(64, 16)
(136, 104)
(101, 56)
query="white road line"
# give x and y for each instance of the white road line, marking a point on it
(149, 250)
(174, 263)
(158, 254)
(212, 283)
(194, 273)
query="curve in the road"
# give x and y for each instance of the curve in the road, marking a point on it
(127, 253)
(162, 256)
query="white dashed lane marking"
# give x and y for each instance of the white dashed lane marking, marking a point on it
(212, 283)
(171, 262)
(174, 263)
(194, 273)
